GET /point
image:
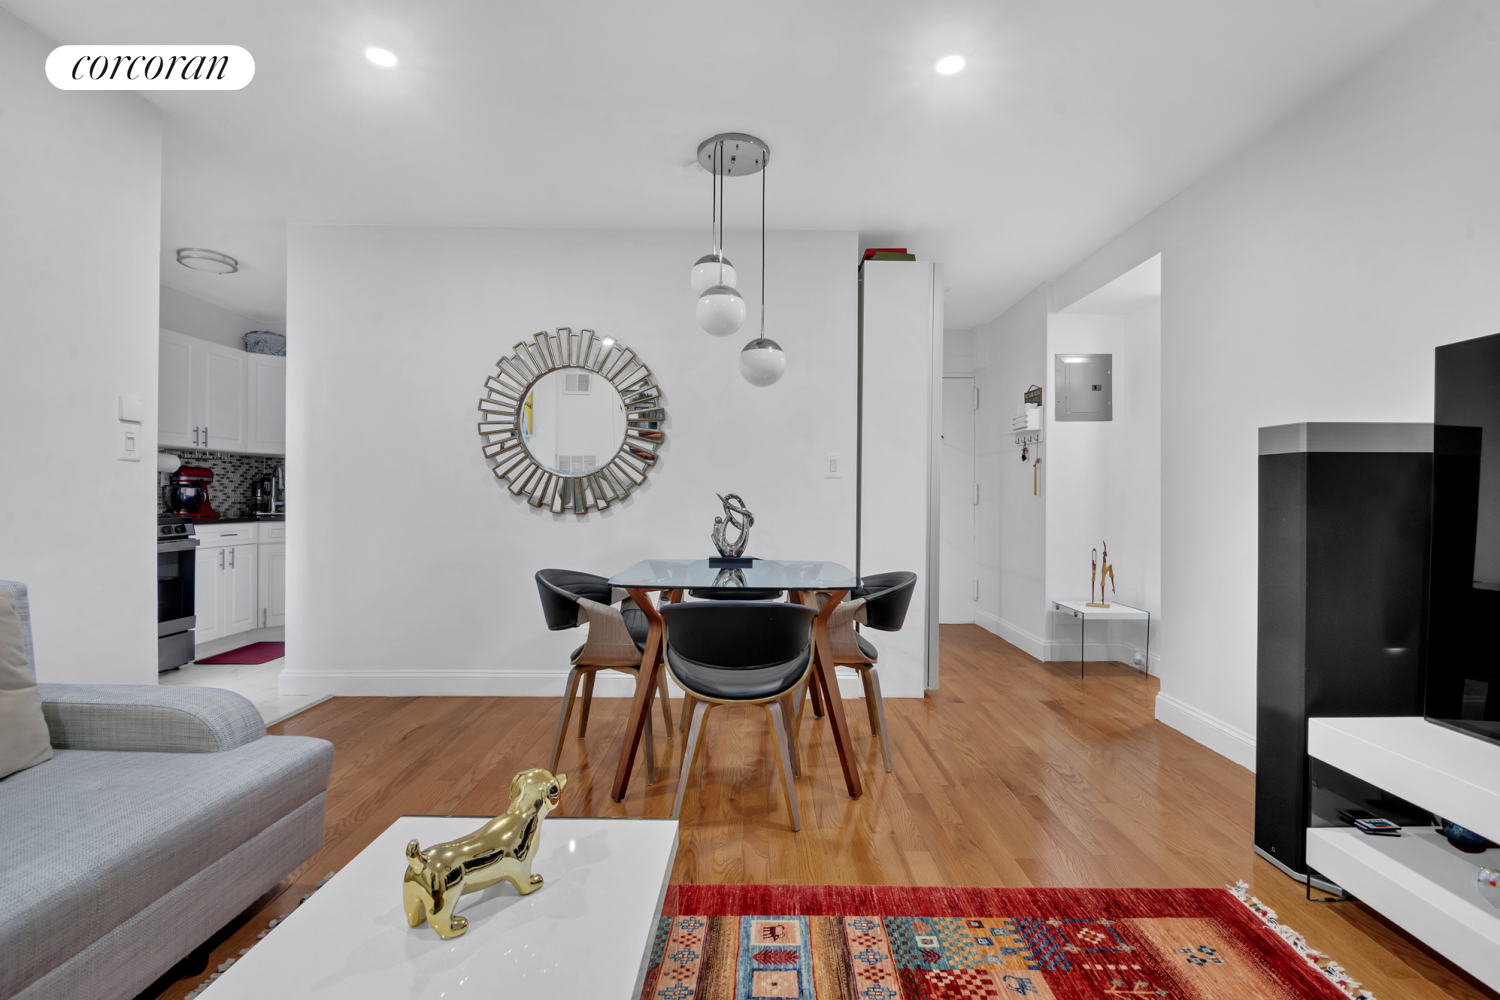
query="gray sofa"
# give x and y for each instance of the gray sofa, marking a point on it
(163, 813)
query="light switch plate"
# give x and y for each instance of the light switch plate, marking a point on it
(833, 467)
(133, 409)
(129, 441)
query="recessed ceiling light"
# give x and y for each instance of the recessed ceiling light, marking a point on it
(207, 260)
(382, 57)
(948, 65)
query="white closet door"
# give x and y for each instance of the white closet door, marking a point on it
(958, 577)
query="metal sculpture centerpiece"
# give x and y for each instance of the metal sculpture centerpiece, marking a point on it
(738, 517)
(501, 850)
(523, 431)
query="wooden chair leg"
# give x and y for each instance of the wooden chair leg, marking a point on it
(649, 745)
(816, 688)
(588, 700)
(562, 718)
(885, 736)
(864, 679)
(666, 701)
(688, 701)
(788, 716)
(690, 751)
(784, 758)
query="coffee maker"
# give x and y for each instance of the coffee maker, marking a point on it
(186, 492)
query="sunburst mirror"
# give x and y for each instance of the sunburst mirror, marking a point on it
(571, 421)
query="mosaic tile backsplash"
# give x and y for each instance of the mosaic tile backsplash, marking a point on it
(232, 492)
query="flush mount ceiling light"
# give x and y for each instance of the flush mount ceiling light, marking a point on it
(384, 57)
(948, 65)
(207, 260)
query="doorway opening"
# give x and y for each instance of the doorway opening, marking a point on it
(1104, 477)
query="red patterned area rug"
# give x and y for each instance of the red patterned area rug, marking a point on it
(913, 943)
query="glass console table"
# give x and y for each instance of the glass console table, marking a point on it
(1085, 613)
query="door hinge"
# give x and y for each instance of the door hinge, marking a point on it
(976, 397)
(976, 590)
(976, 494)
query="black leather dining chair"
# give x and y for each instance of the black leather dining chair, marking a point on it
(616, 640)
(880, 602)
(740, 653)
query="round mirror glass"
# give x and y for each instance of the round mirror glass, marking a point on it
(572, 421)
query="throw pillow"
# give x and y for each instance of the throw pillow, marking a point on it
(23, 729)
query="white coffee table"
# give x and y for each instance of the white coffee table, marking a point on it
(586, 933)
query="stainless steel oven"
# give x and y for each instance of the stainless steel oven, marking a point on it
(176, 584)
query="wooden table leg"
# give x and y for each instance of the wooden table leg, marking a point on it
(833, 704)
(645, 688)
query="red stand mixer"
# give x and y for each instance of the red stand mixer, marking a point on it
(187, 492)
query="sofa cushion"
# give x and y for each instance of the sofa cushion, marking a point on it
(23, 729)
(175, 719)
(101, 835)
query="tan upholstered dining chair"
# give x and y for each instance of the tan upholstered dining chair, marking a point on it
(616, 641)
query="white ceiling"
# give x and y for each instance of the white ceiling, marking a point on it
(1073, 119)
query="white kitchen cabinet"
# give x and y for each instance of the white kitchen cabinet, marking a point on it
(272, 584)
(217, 398)
(208, 584)
(267, 403)
(242, 597)
(222, 379)
(227, 595)
(175, 421)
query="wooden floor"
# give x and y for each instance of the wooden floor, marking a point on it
(1013, 774)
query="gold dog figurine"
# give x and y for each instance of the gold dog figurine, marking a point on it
(502, 849)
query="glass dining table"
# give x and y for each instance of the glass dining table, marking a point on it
(802, 580)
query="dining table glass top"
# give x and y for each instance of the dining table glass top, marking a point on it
(772, 574)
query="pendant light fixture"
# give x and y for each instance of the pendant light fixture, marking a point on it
(762, 361)
(713, 268)
(720, 308)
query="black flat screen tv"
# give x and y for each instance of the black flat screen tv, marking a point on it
(1462, 655)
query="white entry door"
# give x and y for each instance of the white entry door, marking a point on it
(958, 578)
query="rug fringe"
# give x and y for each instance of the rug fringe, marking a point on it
(1328, 967)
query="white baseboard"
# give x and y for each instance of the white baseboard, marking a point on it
(476, 683)
(1216, 734)
(1023, 640)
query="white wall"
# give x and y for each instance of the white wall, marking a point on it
(191, 315)
(410, 568)
(80, 218)
(1307, 278)
(1011, 353)
(1106, 483)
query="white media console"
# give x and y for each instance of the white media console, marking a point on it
(1418, 880)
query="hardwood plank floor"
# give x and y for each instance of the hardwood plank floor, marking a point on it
(1014, 774)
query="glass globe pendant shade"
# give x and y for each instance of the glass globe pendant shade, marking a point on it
(762, 362)
(721, 310)
(711, 270)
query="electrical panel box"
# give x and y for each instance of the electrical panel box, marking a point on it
(1083, 389)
